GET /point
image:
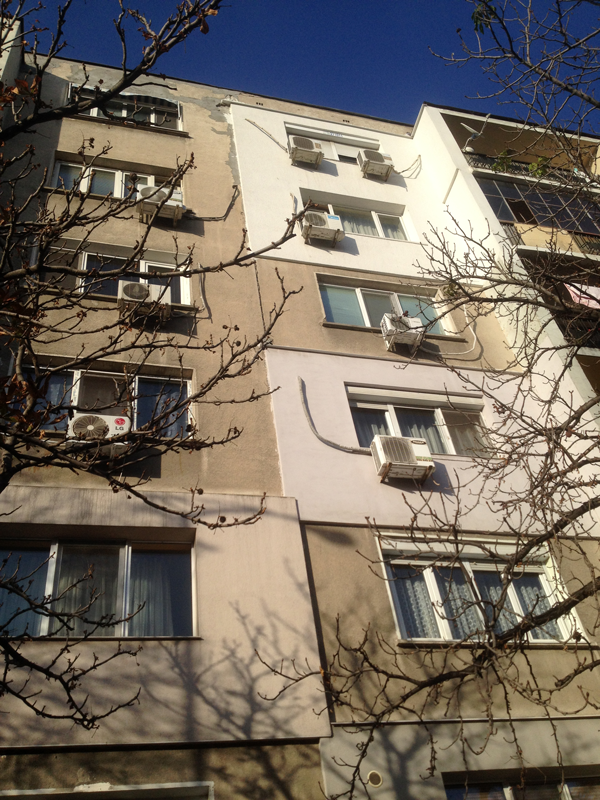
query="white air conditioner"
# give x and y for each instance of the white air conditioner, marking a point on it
(305, 150)
(149, 198)
(398, 329)
(87, 426)
(372, 162)
(144, 298)
(402, 457)
(321, 225)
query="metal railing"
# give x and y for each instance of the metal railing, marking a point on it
(507, 166)
(512, 234)
(587, 243)
(584, 333)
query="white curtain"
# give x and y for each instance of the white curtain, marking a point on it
(457, 600)
(150, 587)
(356, 221)
(534, 601)
(414, 603)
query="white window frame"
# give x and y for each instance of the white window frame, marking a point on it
(120, 182)
(80, 375)
(432, 301)
(123, 578)
(128, 99)
(440, 422)
(567, 625)
(375, 216)
(146, 266)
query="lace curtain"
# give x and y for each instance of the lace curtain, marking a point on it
(369, 423)
(419, 424)
(457, 600)
(414, 603)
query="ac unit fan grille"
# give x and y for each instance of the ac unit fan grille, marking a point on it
(373, 155)
(303, 143)
(90, 427)
(318, 220)
(136, 291)
(397, 450)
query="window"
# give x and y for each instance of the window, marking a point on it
(586, 789)
(149, 272)
(519, 202)
(100, 181)
(452, 600)
(365, 307)
(120, 579)
(370, 223)
(151, 403)
(140, 109)
(446, 430)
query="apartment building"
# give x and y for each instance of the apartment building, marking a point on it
(332, 558)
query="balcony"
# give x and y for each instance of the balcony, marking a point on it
(506, 166)
(583, 333)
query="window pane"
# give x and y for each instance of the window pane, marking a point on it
(67, 175)
(105, 394)
(168, 280)
(457, 600)
(341, 305)
(368, 423)
(378, 304)
(161, 582)
(356, 221)
(542, 791)
(114, 108)
(166, 119)
(490, 589)
(585, 790)
(466, 433)
(533, 600)
(154, 399)
(392, 227)
(414, 604)
(55, 399)
(421, 424)
(28, 568)
(103, 182)
(422, 307)
(105, 264)
(88, 576)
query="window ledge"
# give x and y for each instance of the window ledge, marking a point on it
(125, 639)
(132, 125)
(549, 644)
(444, 337)
(351, 234)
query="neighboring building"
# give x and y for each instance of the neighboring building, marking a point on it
(333, 536)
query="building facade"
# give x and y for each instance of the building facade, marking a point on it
(332, 558)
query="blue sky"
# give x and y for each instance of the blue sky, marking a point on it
(366, 56)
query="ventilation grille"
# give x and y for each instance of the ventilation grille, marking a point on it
(136, 291)
(89, 426)
(397, 450)
(316, 218)
(303, 142)
(373, 155)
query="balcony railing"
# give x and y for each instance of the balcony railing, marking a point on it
(587, 243)
(507, 166)
(584, 333)
(512, 234)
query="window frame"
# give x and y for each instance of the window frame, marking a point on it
(335, 209)
(552, 587)
(121, 183)
(128, 100)
(54, 560)
(431, 300)
(442, 427)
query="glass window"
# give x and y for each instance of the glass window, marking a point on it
(28, 570)
(341, 305)
(110, 286)
(54, 399)
(369, 423)
(168, 280)
(533, 600)
(414, 605)
(104, 394)
(422, 307)
(377, 304)
(160, 585)
(420, 423)
(489, 585)
(466, 433)
(102, 182)
(356, 221)
(155, 398)
(458, 605)
(492, 791)
(68, 175)
(392, 227)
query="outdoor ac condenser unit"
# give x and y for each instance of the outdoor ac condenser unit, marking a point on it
(321, 225)
(398, 329)
(89, 426)
(305, 150)
(372, 162)
(402, 457)
(144, 298)
(149, 198)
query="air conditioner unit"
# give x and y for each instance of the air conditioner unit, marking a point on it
(305, 150)
(372, 162)
(397, 329)
(144, 298)
(321, 225)
(402, 457)
(149, 198)
(91, 427)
